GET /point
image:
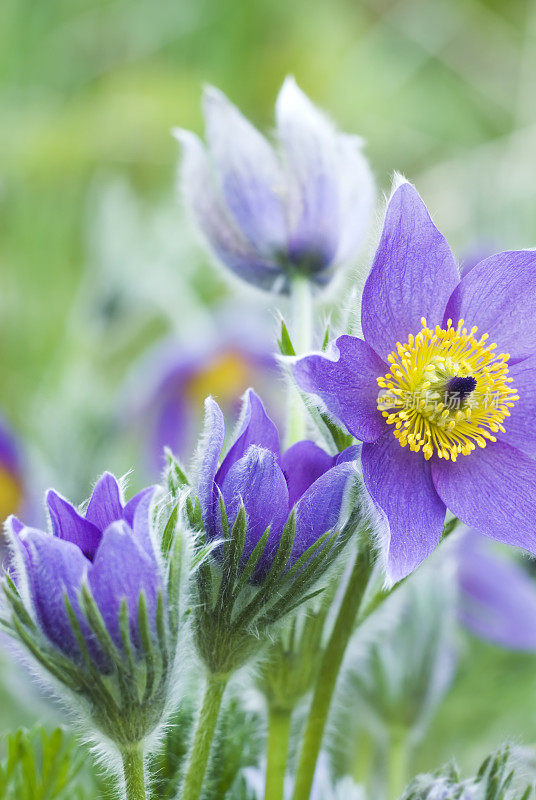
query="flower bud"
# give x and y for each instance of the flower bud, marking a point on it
(275, 522)
(89, 602)
(269, 214)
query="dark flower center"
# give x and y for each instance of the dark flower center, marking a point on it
(459, 388)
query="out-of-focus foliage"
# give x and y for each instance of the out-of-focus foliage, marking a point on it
(497, 779)
(42, 765)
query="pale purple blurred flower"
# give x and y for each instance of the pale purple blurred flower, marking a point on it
(268, 213)
(12, 483)
(497, 595)
(162, 401)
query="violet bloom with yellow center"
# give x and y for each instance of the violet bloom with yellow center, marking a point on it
(11, 473)
(441, 390)
(167, 388)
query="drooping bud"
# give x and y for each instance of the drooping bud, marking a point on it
(269, 214)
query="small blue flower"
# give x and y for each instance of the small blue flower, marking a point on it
(267, 213)
(270, 483)
(441, 390)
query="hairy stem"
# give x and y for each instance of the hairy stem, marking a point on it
(329, 671)
(134, 773)
(278, 738)
(302, 333)
(204, 734)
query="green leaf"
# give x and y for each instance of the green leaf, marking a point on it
(169, 531)
(176, 476)
(253, 560)
(286, 348)
(43, 765)
(144, 627)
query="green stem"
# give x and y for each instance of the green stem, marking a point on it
(134, 773)
(364, 759)
(204, 734)
(329, 671)
(277, 750)
(397, 762)
(302, 334)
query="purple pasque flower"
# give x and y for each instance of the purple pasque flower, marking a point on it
(108, 548)
(12, 489)
(268, 213)
(270, 483)
(166, 390)
(446, 413)
(497, 595)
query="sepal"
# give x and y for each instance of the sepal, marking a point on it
(175, 477)
(124, 689)
(237, 606)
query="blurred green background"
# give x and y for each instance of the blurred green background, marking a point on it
(442, 90)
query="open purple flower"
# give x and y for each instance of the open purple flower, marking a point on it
(442, 390)
(11, 473)
(270, 483)
(108, 549)
(497, 595)
(268, 214)
(165, 393)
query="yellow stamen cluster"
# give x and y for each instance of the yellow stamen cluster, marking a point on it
(415, 397)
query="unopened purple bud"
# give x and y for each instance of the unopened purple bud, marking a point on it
(270, 213)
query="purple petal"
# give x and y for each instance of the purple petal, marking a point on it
(257, 428)
(493, 490)
(121, 571)
(13, 527)
(519, 426)
(105, 505)
(498, 598)
(14, 523)
(302, 464)
(352, 453)
(214, 220)
(413, 275)
(132, 505)
(257, 481)
(71, 526)
(213, 438)
(345, 379)
(320, 508)
(173, 426)
(250, 174)
(499, 296)
(140, 508)
(311, 150)
(10, 455)
(55, 568)
(400, 482)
